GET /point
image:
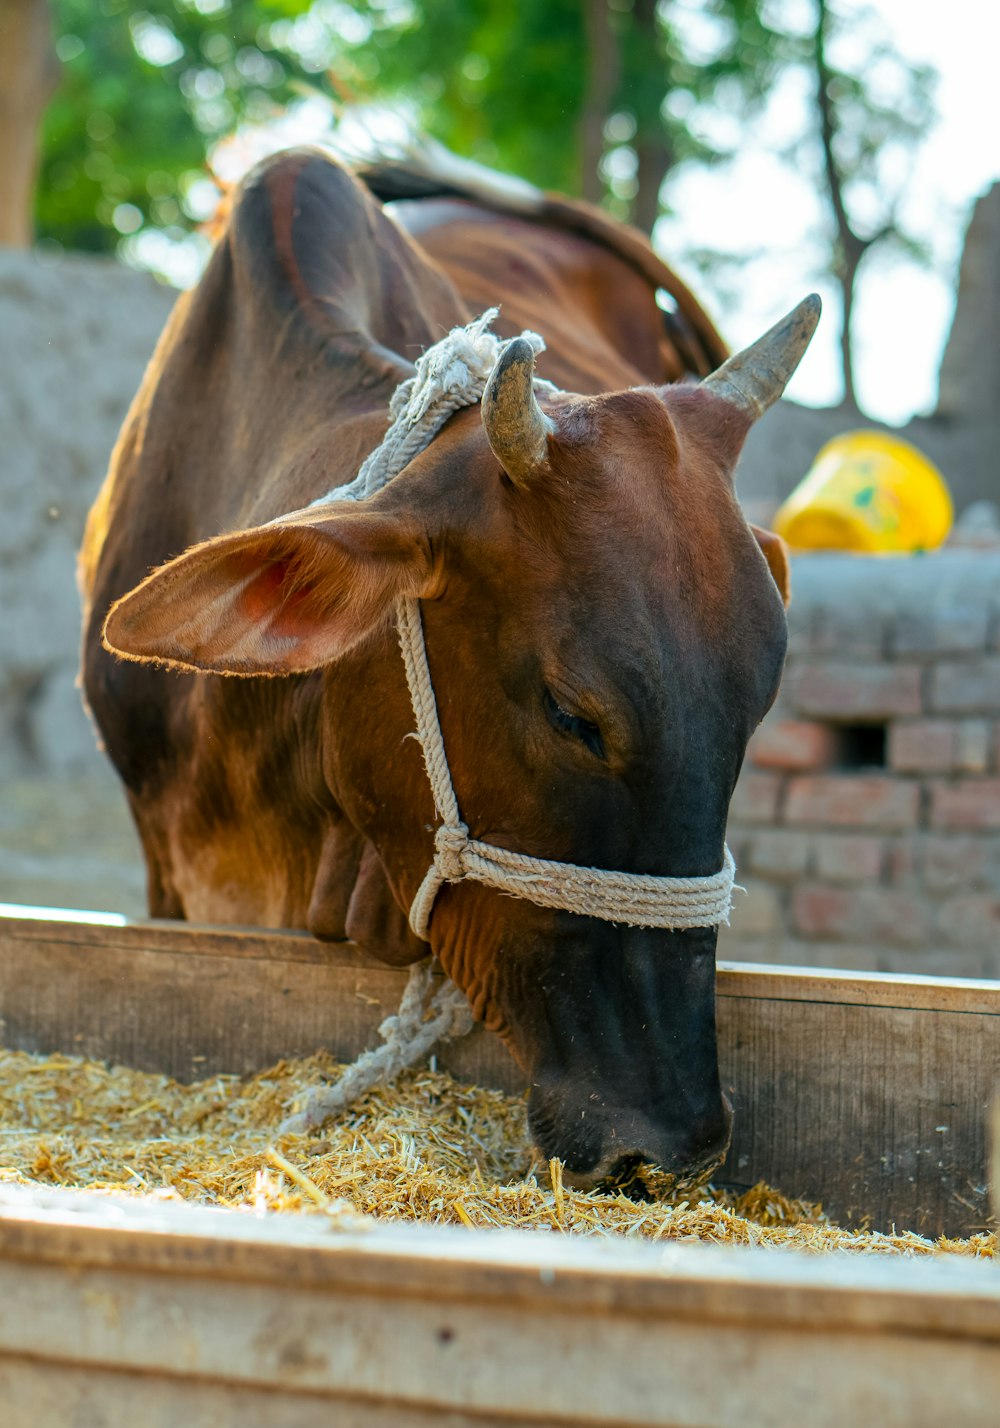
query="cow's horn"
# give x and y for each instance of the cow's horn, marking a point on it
(516, 427)
(755, 378)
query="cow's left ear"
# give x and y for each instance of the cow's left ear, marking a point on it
(776, 554)
(279, 599)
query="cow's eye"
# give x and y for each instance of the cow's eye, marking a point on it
(572, 724)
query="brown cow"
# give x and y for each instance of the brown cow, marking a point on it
(603, 630)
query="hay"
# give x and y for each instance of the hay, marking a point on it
(425, 1149)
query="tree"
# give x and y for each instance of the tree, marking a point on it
(855, 112)
(608, 98)
(872, 110)
(144, 93)
(676, 63)
(28, 76)
(572, 94)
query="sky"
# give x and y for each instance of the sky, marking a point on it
(757, 205)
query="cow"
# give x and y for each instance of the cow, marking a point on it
(604, 629)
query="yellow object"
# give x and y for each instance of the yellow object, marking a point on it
(868, 492)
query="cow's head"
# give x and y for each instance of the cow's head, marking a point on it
(604, 634)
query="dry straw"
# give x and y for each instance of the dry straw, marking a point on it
(425, 1149)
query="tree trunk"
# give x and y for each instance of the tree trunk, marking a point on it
(847, 272)
(653, 166)
(602, 81)
(652, 151)
(29, 73)
(850, 248)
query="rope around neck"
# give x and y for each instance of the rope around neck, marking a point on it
(450, 375)
(407, 1038)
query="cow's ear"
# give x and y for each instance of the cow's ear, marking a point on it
(776, 554)
(280, 599)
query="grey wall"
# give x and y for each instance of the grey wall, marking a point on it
(75, 336)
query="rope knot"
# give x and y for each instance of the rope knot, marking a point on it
(450, 842)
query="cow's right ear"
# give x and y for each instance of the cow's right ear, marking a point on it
(775, 552)
(281, 599)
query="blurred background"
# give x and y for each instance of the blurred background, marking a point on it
(768, 147)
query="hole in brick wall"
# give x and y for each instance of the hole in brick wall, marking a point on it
(860, 746)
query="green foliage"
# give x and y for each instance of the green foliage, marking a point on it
(146, 92)
(149, 86)
(143, 93)
(507, 84)
(495, 81)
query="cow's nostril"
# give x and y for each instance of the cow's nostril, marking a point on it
(626, 1177)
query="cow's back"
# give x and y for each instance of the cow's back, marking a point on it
(269, 385)
(613, 313)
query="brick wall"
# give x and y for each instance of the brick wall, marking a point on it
(866, 823)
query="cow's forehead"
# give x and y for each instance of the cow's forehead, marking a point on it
(628, 559)
(608, 454)
(634, 510)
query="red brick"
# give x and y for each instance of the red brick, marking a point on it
(967, 803)
(849, 857)
(923, 745)
(756, 912)
(950, 862)
(940, 746)
(855, 691)
(821, 911)
(972, 746)
(778, 854)
(859, 801)
(951, 630)
(900, 864)
(800, 630)
(936, 962)
(865, 915)
(847, 956)
(793, 744)
(966, 686)
(858, 633)
(800, 952)
(972, 920)
(755, 798)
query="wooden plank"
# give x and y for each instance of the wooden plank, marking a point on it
(995, 1155)
(877, 1112)
(884, 989)
(108, 931)
(175, 1302)
(193, 1002)
(38, 1393)
(869, 1094)
(60, 1228)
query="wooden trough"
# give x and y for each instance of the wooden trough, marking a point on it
(869, 1093)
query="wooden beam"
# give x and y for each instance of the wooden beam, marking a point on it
(995, 1157)
(867, 1093)
(871, 989)
(233, 1319)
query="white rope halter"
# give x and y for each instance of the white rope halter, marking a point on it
(637, 901)
(450, 375)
